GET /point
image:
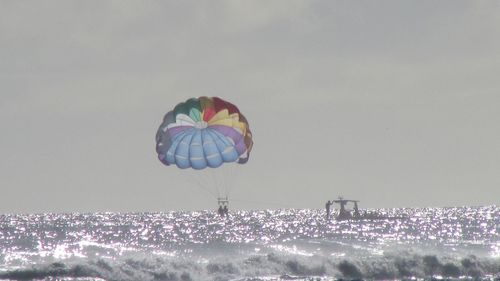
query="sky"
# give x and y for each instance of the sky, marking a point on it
(394, 103)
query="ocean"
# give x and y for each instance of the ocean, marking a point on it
(460, 243)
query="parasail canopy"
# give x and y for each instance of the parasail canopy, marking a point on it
(203, 132)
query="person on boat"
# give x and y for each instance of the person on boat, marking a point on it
(226, 210)
(327, 207)
(220, 211)
(356, 210)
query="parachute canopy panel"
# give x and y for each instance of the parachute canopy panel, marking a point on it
(204, 132)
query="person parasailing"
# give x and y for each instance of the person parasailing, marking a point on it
(204, 132)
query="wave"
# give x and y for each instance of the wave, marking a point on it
(271, 266)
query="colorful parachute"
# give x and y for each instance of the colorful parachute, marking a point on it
(203, 132)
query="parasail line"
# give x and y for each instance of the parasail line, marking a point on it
(263, 202)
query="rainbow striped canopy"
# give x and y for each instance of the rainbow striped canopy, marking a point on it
(203, 132)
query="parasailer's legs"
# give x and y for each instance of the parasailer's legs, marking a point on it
(223, 206)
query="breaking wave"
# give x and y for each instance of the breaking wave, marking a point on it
(265, 267)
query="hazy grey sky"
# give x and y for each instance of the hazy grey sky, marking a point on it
(395, 103)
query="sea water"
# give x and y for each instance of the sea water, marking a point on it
(289, 244)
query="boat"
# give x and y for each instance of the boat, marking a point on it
(345, 214)
(355, 214)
